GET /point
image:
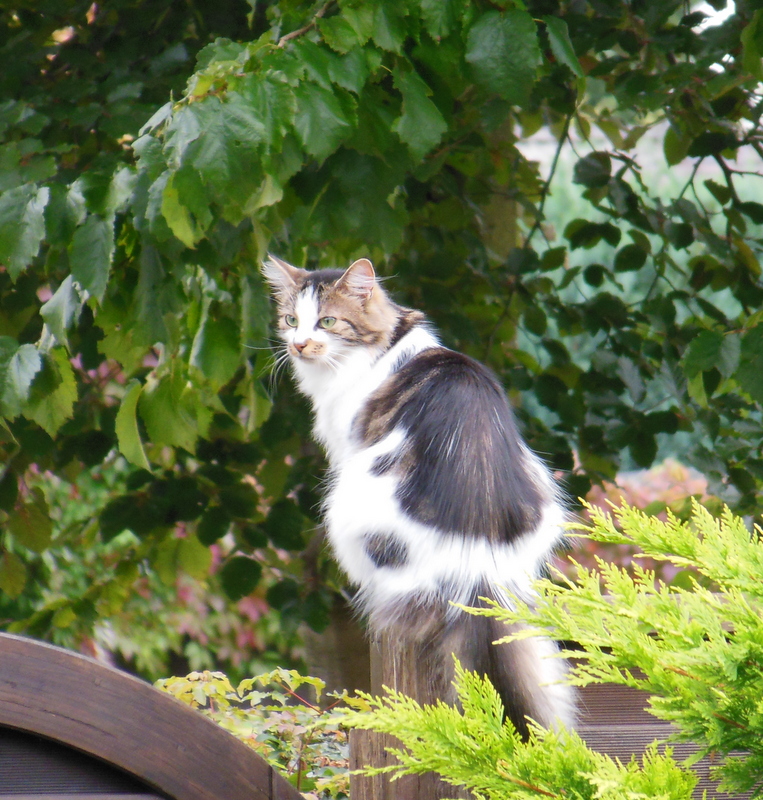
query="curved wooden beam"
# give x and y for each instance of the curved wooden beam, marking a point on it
(115, 717)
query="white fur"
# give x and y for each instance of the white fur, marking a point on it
(359, 503)
(340, 382)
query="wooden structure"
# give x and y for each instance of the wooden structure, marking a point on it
(73, 728)
(612, 720)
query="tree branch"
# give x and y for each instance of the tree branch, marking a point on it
(305, 28)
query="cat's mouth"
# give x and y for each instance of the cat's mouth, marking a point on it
(308, 351)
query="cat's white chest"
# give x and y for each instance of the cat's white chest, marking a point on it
(337, 394)
(339, 391)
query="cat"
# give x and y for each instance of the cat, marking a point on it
(434, 496)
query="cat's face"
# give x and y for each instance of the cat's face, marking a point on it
(324, 315)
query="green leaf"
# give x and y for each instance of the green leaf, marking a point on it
(272, 99)
(133, 512)
(213, 525)
(752, 210)
(30, 523)
(752, 45)
(240, 500)
(54, 391)
(440, 16)
(184, 128)
(285, 524)
(421, 125)
(165, 560)
(13, 575)
(63, 309)
(22, 226)
(502, 49)
(18, 367)
(564, 52)
(350, 71)
(216, 348)
(389, 27)
(9, 489)
(679, 234)
(90, 255)
(320, 120)
(239, 576)
(338, 34)
(361, 18)
(194, 558)
(63, 213)
(711, 143)
(629, 258)
(553, 258)
(675, 146)
(161, 115)
(168, 409)
(178, 215)
(719, 191)
(582, 233)
(712, 349)
(593, 170)
(750, 372)
(128, 436)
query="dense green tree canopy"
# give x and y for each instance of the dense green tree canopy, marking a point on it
(153, 152)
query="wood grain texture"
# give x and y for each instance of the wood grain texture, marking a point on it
(395, 664)
(112, 716)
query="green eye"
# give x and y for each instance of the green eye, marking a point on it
(291, 321)
(327, 322)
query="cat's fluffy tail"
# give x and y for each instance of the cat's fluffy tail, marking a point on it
(528, 674)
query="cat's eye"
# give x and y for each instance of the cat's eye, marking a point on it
(291, 321)
(327, 322)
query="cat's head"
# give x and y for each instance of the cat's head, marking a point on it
(326, 313)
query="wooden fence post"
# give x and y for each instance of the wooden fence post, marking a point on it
(398, 665)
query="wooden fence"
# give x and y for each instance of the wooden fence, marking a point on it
(74, 729)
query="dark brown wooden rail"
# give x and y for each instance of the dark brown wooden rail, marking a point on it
(71, 727)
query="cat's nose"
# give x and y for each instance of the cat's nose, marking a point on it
(300, 346)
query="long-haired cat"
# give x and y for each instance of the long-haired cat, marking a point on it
(434, 497)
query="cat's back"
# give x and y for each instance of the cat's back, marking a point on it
(461, 466)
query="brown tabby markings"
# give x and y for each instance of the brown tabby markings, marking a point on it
(370, 322)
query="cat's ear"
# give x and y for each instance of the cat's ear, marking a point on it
(359, 279)
(281, 276)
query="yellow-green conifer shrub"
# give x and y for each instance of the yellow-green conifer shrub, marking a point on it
(697, 651)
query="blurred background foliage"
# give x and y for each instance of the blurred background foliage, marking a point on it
(566, 188)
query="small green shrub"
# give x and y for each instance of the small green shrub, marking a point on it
(699, 653)
(303, 740)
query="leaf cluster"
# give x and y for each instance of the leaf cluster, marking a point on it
(303, 741)
(474, 747)
(695, 652)
(144, 177)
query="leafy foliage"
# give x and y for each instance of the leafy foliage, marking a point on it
(697, 653)
(138, 194)
(304, 742)
(474, 747)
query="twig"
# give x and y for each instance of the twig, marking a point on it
(730, 722)
(729, 175)
(305, 28)
(547, 185)
(523, 784)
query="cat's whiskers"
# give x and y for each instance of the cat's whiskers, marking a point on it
(332, 360)
(276, 366)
